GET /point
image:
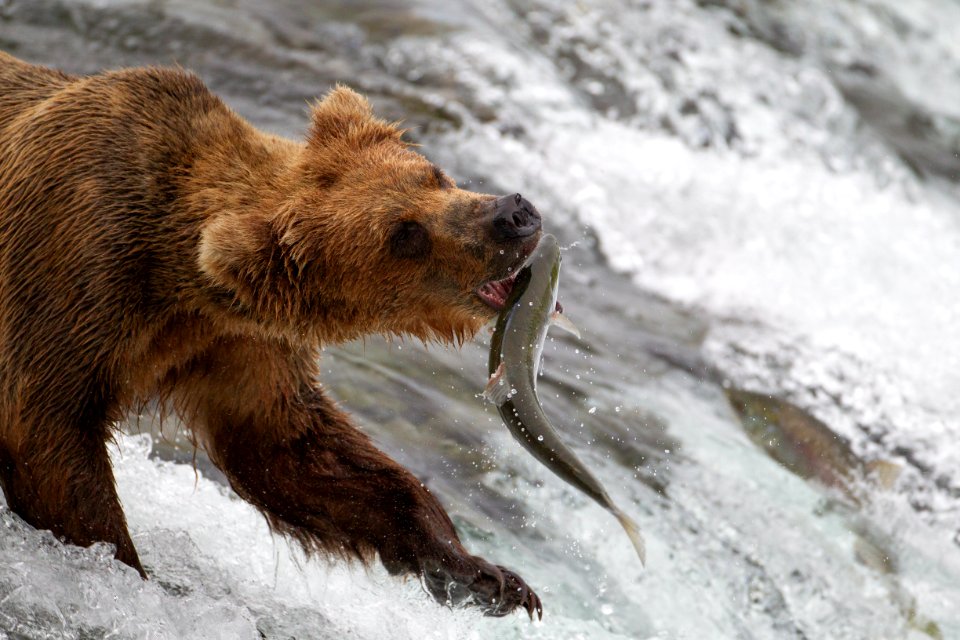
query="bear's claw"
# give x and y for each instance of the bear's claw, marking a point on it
(495, 589)
(514, 584)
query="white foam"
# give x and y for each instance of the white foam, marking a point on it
(216, 572)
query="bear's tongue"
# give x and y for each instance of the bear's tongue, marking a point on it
(495, 293)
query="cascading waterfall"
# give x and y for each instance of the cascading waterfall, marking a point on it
(753, 195)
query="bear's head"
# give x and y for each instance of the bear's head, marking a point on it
(369, 237)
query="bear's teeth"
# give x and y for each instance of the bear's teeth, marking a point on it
(495, 292)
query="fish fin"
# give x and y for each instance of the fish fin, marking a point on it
(559, 320)
(498, 390)
(633, 531)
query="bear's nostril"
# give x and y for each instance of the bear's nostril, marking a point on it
(514, 217)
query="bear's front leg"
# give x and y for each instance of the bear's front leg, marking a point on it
(288, 450)
(56, 475)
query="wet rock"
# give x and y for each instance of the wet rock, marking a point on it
(928, 142)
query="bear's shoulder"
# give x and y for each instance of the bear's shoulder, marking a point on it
(155, 86)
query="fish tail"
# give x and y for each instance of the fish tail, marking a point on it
(633, 531)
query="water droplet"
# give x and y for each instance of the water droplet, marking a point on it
(540, 438)
(592, 410)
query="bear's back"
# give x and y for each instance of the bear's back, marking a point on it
(92, 228)
(23, 85)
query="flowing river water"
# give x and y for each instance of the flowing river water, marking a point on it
(759, 206)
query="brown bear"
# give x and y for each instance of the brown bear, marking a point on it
(153, 244)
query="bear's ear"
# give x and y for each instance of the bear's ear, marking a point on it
(338, 115)
(234, 249)
(341, 125)
(344, 115)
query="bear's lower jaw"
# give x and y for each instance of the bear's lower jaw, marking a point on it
(494, 293)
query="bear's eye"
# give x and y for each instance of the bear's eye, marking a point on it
(410, 240)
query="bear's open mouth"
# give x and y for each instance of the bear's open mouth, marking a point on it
(495, 292)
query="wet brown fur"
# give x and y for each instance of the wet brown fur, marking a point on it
(154, 244)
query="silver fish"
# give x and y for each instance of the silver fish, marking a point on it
(515, 351)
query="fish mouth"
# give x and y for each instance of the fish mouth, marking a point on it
(495, 292)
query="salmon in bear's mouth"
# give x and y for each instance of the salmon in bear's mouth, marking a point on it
(495, 292)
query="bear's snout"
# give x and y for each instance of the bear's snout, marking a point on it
(514, 217)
